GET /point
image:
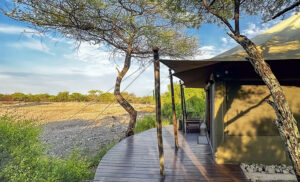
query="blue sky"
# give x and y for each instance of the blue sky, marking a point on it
(35, 63)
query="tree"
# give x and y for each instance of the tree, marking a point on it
(106, 97)
(195, 12)
(19, 96)
(195, 102)
(130, 27)
(77, 97)
(62, 97)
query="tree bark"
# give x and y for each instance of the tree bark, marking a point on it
(286, 123)
(123, 102)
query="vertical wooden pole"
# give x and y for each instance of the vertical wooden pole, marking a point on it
(182, 107)
(174, 111)
(158, 111)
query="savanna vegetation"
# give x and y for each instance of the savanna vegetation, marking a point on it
(195, 103)
(93, 96)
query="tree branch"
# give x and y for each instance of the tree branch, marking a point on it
(129, 9)
(237, 17)
(286, 10)
(225, 21)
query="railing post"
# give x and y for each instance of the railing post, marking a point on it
(158, 110)
(174, 111)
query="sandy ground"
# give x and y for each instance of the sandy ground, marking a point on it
(71, 125)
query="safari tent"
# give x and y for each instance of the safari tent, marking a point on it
(240, 123)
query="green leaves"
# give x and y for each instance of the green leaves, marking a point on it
(195, 102)
(23, 158)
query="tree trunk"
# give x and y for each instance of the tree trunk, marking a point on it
(286, 123)
(124, 103)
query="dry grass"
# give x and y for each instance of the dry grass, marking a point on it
(63, 111)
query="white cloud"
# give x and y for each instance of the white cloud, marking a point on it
(206, 52)
(208, 48)
(254, 29)
(95, 58)
(33, 44)
(8, 29)
(224, 40)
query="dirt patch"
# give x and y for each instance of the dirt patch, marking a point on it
(87, 136)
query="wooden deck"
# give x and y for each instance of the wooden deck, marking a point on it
(136, 159)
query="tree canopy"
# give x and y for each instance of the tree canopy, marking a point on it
(125, 25)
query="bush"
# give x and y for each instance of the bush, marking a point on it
(146, 123)
(23, 157)
(195, 102)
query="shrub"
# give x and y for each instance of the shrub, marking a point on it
(146, 123)
(195, 102)
(23, 157)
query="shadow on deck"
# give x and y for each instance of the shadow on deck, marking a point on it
(136, 159)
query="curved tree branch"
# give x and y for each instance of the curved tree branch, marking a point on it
(286, 10)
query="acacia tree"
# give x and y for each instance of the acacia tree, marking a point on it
(227, 13)
(131, 27)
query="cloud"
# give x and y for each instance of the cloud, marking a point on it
(8, 29)
(48, 83)
(32, 44)
(254, 29)
(98, 59)
(224, 40)
(32, 82)
(206, 52)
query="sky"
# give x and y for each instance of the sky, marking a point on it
(36, 63)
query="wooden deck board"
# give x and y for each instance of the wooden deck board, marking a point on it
(136, 159)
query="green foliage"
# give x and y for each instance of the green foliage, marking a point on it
(195, 102)
(146, 123)
(23, 158)
(94, 95)
(106, 97)
(77, 97)
(19, 96)
(62, 97)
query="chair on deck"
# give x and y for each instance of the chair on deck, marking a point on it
(193, 124)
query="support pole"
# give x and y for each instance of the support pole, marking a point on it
(183, 110)
(174, 111)
(158, 111)
(184, 107)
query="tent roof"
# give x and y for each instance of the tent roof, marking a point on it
(281, 42)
